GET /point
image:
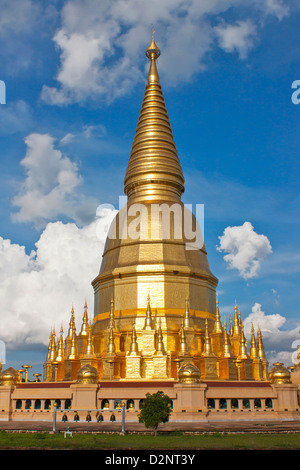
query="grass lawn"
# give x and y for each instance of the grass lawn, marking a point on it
(45, 440)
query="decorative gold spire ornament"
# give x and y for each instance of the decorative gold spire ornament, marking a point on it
(240, 319)
(207, 343)
(230, 325)
(72, 327)
(160, 349)
(227, 348)
(243, 348)
(260, 346)
(112, 322)
(133, 345)
(85, 322)
(236, 323)
(60, 352)
(148, 321)
(253, 348)
(154, 170)
(73, 350)
(183, 346)
(187, 320)
(89, 352)
(111, 344)
(218, 325)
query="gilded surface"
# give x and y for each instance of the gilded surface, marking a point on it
(154, 296)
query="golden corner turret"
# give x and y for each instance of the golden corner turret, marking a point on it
(155, 307)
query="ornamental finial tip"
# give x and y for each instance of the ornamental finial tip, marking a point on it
(153, 52)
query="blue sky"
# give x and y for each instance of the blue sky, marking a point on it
(75, 75)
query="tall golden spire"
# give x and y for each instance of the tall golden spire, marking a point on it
(111, 343)
(72, 327)
(154, 171)
(89, 352)
(160, 343)
(243, 347)
(227, 348)
(253, 348)
(60, 353)
(85, 322)
(236, 323)
(148, 321)
(207, 342)
(53, 347)
(230, 325)
(73, 351)
(186, 321)
(260, 346)
(218, 325)
(133, 345)
(183, 346)
(112, 322)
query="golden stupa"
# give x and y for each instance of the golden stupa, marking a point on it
(155, 308)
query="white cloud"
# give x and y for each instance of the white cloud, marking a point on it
(49, 189)
(278, 342)
(246, 249)
(37, 290)
(238, 37)
(100, 42)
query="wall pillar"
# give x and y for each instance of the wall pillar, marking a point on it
(84, 396)
(287, 397)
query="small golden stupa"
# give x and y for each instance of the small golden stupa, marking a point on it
(155, 306)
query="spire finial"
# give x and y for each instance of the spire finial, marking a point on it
(152, 52)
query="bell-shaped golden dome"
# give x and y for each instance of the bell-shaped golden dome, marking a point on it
(9, 377)
(189, 373)
(279, 374)
(87, 375)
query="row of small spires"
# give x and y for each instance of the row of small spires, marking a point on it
(56, 350)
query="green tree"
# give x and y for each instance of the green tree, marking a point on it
(156, 409)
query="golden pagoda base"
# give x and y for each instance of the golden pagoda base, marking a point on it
(201, 402)
(227, 368)
(208, 367)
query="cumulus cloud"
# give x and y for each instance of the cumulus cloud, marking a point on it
(246, 249)
(50, 186)
(99, 41)
(37, 290)
(279, 343)
(237, 37)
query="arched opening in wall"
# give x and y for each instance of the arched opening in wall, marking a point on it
(246, 403)
(37, 404)
(18, 404)
(27, 404)
(141, 403)
(117, 404)
(104, 404)
(269, 403)
(211, 404)
(47, 405)
(234, 403)
(68, 403)
(57, 403)
(223, 404)
(130, 405)
(257, 403)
